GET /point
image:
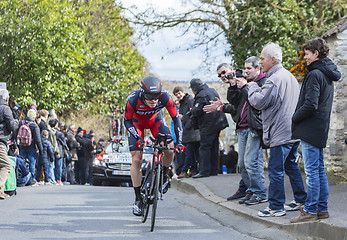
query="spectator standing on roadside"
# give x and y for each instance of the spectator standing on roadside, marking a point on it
(58, 161)
(82, 163)
(33, 106)
(73, 147)
(44, 158)
(210, 125)
(248, 126)
(8, 125)
(30, 151)
(230, 160)
(190, 137)
(277, 99)
(311, 121)
(100, 145)
(44, 116)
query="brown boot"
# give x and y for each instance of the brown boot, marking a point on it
(304, 217)
(182, 175)
(322, 215)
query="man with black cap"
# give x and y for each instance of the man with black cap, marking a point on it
(209, 126)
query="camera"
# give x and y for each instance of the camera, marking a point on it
(239, 73)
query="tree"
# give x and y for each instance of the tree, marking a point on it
(247, 25)
(67, 55)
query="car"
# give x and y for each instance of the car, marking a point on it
(113, 164)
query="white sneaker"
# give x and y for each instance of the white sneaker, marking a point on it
(267, 212)
(293, 206)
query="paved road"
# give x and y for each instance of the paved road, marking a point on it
(88, 212)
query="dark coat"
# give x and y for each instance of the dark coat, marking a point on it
(212, 122)
(72, 144)
(35, 133)
(189, 133)
(47, 153)
(311, 119)
(236, 98)
(61, 142)
(7, 123)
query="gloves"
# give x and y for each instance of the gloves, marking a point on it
(140, 143)
(180, 148)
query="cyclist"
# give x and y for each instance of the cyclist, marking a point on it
(143, 111)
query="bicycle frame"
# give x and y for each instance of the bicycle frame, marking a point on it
(151, 188)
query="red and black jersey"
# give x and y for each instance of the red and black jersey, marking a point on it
(138, 116)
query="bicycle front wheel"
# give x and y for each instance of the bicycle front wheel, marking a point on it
(110, 128)
(146, 192)
(155, 194)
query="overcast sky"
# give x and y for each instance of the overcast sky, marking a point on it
(166, 63)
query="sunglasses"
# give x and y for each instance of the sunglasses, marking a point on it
(222, 73)
(151, 96)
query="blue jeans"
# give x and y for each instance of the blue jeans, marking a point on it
(282, 159)
(208, 153)
(42, 163)
(249, 145)
(58, 168)
(191, 157)
(316, 179)
(31, 155)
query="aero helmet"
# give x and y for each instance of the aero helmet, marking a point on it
(150, 87)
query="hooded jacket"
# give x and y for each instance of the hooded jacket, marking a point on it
(212, 122)
(311, 118)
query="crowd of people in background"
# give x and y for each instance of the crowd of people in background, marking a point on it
(47, 151)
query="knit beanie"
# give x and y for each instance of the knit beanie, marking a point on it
(79, 129)
(31, 113)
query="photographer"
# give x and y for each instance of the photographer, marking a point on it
(248, 128)
(8, 125)
(210, 125)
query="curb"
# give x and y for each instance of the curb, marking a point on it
(318, 229)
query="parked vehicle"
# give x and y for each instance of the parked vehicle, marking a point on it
(113, 164)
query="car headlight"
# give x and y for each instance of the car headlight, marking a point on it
(98, 163)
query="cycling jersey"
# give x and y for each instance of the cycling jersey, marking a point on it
(139, 116)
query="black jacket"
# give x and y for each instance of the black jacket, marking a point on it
(35, 133)
(236, 98)
(61, 142)
(189, 133)
(311, 119)
(72, 144)
(212, 122)
(7, 123)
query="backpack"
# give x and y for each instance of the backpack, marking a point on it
(24, 137)
(11, 184)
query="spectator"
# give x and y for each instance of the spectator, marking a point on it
(88, 147)
(58, 162)
(52, 114)
(277, 99)
(53, 139)
(82, 163)
(30, 152)
(33, 106)
(44, 158)
(73, 146)
(191, 136)
(248, 126)
(311, 124)
(178, 160)
(209, 125)
(7, 125)
(230, 160)
(24, 177)
(44, 116)
(100, 145)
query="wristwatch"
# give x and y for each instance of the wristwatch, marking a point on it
(218, 108)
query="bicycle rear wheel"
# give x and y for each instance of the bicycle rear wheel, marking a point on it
(155, 194)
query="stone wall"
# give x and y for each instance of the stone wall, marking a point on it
(336, 150)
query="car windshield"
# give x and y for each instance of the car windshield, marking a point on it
(120, 147)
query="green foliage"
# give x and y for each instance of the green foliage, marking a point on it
(67, 55)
